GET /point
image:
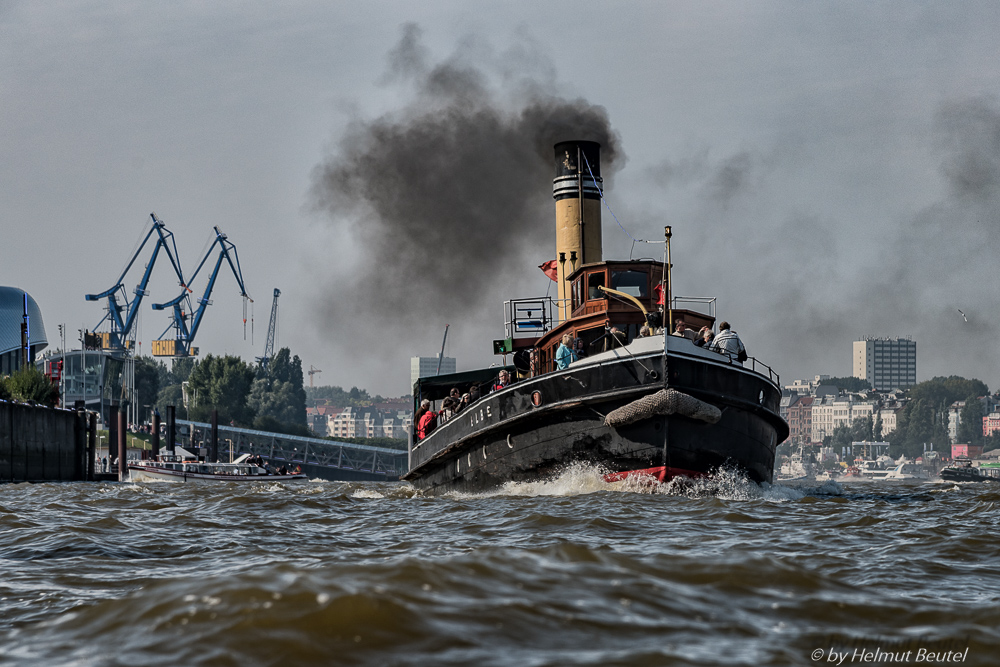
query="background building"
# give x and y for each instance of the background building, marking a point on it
(806, 387)
(889, 415)
(12, 302)
(367, 422)
(800, 419)
(991, 424)
(966, 451)
(887, 363)
(831, 411)
(422, 367)
(92, 376)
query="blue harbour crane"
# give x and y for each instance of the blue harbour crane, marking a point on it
(118, 298)
(183, 311)
(272, 329)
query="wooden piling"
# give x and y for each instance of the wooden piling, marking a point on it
(171, 428)
(214, 452)
(122, 451)
(91, 445)
(156, 434)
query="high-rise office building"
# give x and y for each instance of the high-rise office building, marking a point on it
(887, 363)
(422, 367)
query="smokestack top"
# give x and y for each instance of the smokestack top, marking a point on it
(573, 159)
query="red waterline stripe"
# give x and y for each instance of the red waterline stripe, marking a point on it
(659, 473)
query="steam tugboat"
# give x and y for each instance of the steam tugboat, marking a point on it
(641, 403)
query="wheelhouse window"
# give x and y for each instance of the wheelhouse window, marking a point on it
(633, 283)
(595, 280)
(577, 293)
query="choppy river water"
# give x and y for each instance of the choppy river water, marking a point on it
(572, 572)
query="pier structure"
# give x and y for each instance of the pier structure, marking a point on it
(42, 444)
(324, 459)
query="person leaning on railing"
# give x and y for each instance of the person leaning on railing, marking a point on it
(449, 408)
(705, 337)
(502, 381)
(728, 342)
(425, 419)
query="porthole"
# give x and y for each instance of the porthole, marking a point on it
(536, 398)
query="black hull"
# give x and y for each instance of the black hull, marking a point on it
(505, 437)
(965, 475)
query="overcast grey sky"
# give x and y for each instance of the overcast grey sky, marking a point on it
(831, 170)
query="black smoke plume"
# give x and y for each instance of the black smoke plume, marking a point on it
(449, 198)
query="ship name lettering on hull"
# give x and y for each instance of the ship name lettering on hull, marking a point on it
(482, 415)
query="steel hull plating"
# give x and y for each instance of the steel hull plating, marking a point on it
(506, 437)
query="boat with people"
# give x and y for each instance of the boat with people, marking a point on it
(964, 471)
(184, 466)
(595, 376)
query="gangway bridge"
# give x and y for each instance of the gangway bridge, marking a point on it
(323, 459)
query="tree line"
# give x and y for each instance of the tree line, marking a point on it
(343, 398)
(245, 395)
(28, 384)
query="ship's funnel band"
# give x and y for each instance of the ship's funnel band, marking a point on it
(566, 187)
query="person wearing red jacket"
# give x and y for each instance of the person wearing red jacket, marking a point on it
(502, 381)
(427, 421)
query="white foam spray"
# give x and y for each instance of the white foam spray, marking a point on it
(725, 483)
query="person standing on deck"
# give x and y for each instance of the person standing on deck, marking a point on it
(681, 329)
(502, 381)
(565, 354)
(424, 419)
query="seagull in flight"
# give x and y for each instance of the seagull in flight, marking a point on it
(962, 314)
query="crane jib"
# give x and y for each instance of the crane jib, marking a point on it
(181, 343)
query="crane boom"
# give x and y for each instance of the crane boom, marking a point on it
(121, 328)
(441, 356)
(272, 332)
(180, 345)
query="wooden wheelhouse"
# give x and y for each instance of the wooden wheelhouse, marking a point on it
(594, 312)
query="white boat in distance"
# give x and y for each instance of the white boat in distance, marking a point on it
(904, 470)
(184, 466)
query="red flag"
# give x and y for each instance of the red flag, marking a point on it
(549, 269)
(658, 290)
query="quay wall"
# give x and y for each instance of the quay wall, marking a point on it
(41, 444)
